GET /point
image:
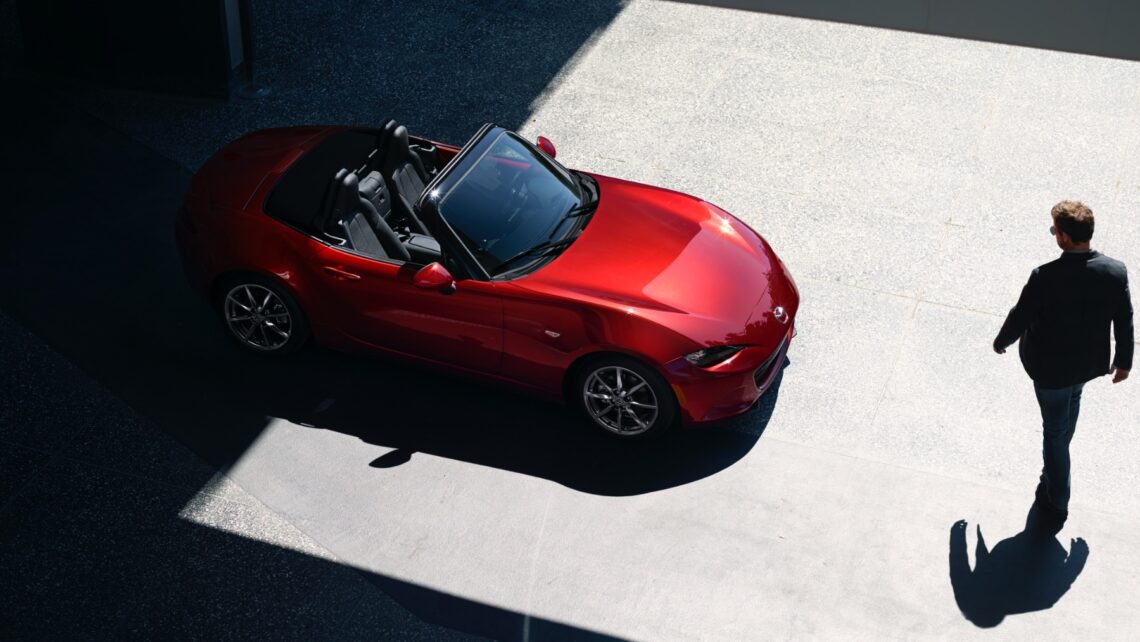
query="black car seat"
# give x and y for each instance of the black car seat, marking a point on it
(363, 225)
(325, 220)
(376, 158)
(373, 190)
(421, 248)
(405, 175)
(386, 130)
(424, 155)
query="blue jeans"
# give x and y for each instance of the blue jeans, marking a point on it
(1059, 410)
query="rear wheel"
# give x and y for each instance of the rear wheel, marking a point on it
(625, 398)
(262, 317)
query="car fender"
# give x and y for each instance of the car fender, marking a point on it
(546, 335)
(258, 244)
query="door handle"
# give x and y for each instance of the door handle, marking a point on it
(341, 274)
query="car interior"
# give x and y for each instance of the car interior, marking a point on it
(370, 210)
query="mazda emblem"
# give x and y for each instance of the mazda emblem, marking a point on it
(780, 314)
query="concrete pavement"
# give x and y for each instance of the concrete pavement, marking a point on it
(906, 181)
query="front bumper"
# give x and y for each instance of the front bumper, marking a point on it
(714, 396)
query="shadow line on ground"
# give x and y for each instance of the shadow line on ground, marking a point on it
(1097, 27)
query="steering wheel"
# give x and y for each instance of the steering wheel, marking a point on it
(516, 196)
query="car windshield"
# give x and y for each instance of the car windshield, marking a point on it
(511, 200)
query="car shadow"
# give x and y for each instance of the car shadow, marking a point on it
(415, 410)
(1030, 571)
(88, 263)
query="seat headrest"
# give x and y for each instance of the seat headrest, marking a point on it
(385, 133)
(400, 138)
(328, 203)
(397, 151)
(348, 197)
(382, 137)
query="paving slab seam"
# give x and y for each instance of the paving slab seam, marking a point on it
(897, 295)
(878, 42)
(918, 84)
(959, 308)
(918, 299)
(532, 573)
(900, 344)
(919, 471)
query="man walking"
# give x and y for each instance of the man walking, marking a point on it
(1063, 319)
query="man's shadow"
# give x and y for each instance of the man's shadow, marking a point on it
(1027, 572)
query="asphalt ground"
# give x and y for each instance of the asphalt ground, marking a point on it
(904, 178)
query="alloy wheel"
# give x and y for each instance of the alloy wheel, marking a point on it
(620, 400)
(258, 317)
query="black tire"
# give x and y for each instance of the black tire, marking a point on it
(273, 323)
(628, 416)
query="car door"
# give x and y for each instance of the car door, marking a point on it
(380, 306)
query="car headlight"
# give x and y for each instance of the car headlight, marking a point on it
(706, 357)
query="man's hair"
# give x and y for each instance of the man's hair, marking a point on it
(1075, 219)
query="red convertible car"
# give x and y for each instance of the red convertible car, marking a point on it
(643, 307)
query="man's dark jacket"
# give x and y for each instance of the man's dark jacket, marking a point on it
(1063, 319)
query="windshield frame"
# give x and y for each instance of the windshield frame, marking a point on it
(454, 173)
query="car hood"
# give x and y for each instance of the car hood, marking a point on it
(668, 256)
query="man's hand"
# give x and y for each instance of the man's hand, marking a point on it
(1119, 374)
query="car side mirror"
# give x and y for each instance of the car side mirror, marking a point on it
(434, 276)
(546, 146)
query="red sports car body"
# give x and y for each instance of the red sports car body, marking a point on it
(640, 305)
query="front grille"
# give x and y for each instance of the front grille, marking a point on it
(765, 367)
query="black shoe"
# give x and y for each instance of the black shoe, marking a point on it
(1044, 502)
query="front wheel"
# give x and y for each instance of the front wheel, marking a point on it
(626, 398)
(262, 317)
